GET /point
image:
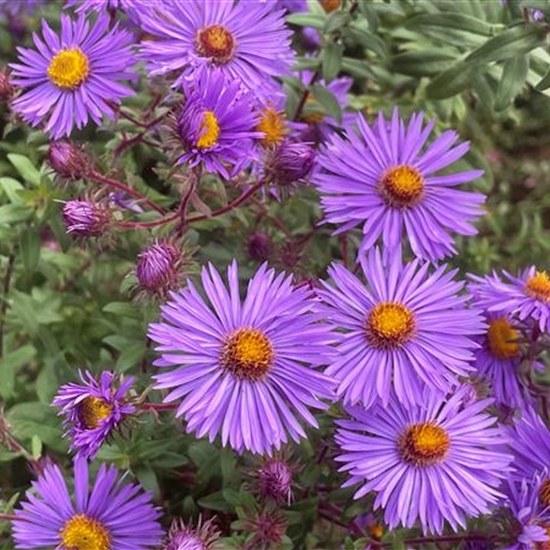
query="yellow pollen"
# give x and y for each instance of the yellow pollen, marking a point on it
(69, 69)
(402, 186)
(210, 131)
(216, 42)
(273, 126)
(538, 286)
(544, 492)
(84, 533)
(424, 444)
(502, 339)
(330, 5)
(389, 325)
(247, 354)
(92, 411)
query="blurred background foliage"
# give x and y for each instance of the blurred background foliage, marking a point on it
(479, 66)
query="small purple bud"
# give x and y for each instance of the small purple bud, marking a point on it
(184, 537)
(86, 218)
(6, 88)
(157, 267)
(276, 481)
(290, 162)
(260, 247)
(68, 160)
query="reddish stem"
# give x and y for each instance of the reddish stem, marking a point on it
(8, 517)
(158, 406)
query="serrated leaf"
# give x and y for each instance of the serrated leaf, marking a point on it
(25, 167)
(327, 100)
(332, 61)
(514, 73)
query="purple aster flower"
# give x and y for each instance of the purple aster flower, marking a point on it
(107, 516)
(275, 479)
(216, 125)
(184, 537)
(441, 461)
(157, 267)
(244, 370)
(246, 41)
(524, 297)
(75, 76)
(407, 329)
(103, 5)
(93, 410)
(86, 218)
(380, 179)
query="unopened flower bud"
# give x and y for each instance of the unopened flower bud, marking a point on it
(6, 88)
(260, 247)
(276, 481)
(330, 5)
(290, 162)
(86, 218)
(268, 529)
(68, 160)
(157, 267)
(184, 537)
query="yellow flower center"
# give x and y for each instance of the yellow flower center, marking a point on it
(538, 286)
(389, 325)
(273, 126)
(544, 492)
(210, 131)
(247, 354)
(502, 339)
(424, 444)
(69, 69)
(217, 43)
(84, 533)
(330, 5)
(92, 411)
(402, 186)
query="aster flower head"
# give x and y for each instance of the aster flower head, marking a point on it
(379, 178)
(93, 410)
(102, 5)
(435, 462)
(247, 41)
(75, 76)
(216, 126)
(108, 515)
(86, 218)
(68, 160)
(289, 163)
(185, 537)
(244, 369)
(524, 297)
(405, 330)
(157, 268)
(275, 480)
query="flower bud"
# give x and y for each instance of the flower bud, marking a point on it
(276, 481)
(289, 163)
(184, 537)
(86, 218)
(260, 247)
(68, 160)
(157, 267)
(6, 88)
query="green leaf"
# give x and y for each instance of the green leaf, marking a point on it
(544, 82)
(29, 243)
(513, 78)
(422, 62)
(336, 21)
(370, 15)
(10, 363)
(307, 20)
(368, 39)
(332, 61)
(510, 43)
(327, 100)
(452, 81)
(453, 21)
(11, 188)
(216, 501)
(13, 213)
(25, 167)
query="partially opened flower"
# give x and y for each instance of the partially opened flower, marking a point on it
(108, 515)
(158, 265)
(93, 410)
(524, 297)
(86, 218)
(244, 370)
(442, 461)
(405, 330)
(247, 41)
(185, 537)
(74, 76)
(216, 126)
(379, 178)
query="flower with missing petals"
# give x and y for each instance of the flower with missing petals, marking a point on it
(246, 370)
(405, 330)
(247, 41)
(109, 515)
(380, 178)
(524, 297)
(435, 462)
(74, 76)
(93, 410)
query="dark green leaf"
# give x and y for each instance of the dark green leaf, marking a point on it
(307, 20)
(513, 78)
(335, 21)
(451, 82)
(368, 39)
(327, 100)
(29, 243)
(453, 21)
(332, 61)
(423, 62)
(26, 168)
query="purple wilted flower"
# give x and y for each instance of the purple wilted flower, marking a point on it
(108, 515)
(524, 297)
(244, 370)
(435, 462)
(74, 76)
(93, 410)
(184, 537)
(246, 41)
(157, 267)
(216, 125)
(380, 179)
(405, 330)
(86, 218)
